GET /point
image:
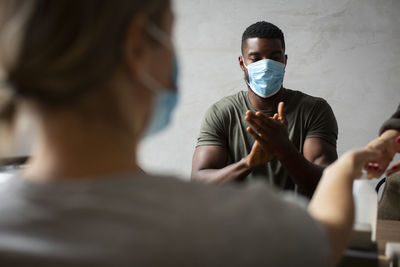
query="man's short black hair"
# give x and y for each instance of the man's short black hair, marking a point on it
(262, 29)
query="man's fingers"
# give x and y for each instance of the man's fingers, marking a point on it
(258, 121)
(280, 111)
(253, 133)
(256, 136)
(255, 124)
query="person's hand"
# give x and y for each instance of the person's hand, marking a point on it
(258, 155)
(352, 163)
(271, 135)
(388, 147)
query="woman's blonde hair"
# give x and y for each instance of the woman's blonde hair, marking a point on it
(55, 51)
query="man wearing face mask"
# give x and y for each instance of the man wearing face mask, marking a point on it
(283, 135)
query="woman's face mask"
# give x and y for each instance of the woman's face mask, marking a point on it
(163, 105)
(265, 77)
(165, 98)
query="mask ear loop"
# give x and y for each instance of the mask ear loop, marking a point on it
(150, 83)
(160, 36)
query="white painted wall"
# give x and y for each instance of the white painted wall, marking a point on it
(346, 51)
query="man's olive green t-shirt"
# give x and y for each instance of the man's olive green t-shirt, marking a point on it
(307, 116)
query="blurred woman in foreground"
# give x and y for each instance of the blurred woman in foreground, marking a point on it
(92, 74)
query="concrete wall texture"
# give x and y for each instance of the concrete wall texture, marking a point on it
(346, 51)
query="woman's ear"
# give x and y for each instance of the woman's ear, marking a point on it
(136, 48)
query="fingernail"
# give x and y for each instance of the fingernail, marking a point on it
(375, 168)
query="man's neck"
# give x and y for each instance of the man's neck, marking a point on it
(266, 104)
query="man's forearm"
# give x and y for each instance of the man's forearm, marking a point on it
(231, 172)
(303, 172)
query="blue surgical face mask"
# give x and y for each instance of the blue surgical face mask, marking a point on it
(265, 77)
(165, 99)
(164, 104)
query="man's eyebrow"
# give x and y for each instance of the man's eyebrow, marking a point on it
(279, 52)
(253, 53)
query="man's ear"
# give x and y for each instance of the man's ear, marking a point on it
(135, 47)
(286, 58)
(241, 63)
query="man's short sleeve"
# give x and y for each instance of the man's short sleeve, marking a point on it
(322, 123)
(213, 128)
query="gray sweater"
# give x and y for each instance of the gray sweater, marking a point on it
(137, 220)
